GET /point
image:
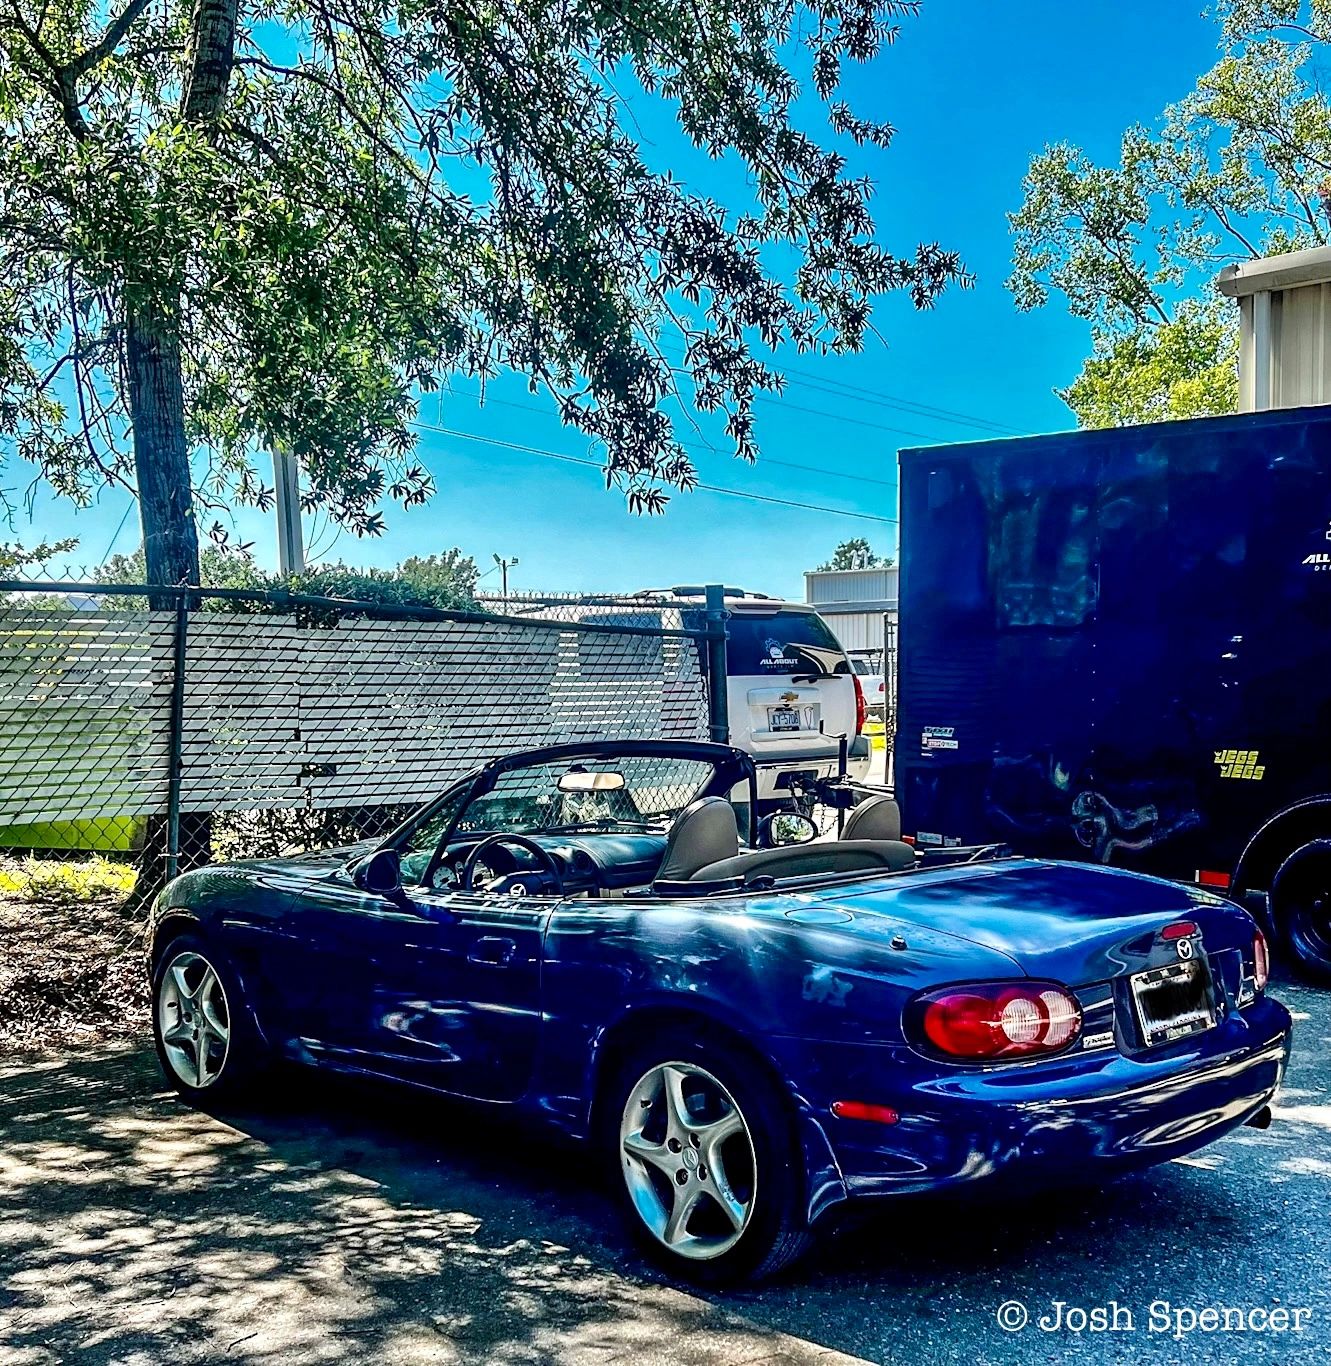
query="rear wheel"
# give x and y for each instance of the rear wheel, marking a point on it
(707, 1171)
(207, 1048)
(1301, 908)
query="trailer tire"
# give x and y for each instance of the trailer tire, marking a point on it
(1301, 909)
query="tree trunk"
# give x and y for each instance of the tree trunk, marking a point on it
(161, 458)
(212, 57)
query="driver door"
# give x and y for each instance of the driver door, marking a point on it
(459, 1004)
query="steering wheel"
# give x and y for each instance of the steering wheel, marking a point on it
(549, 869)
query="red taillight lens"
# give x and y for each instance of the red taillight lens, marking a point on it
(861, 711)
(1180, 929)
(1261, 961)
(997, 1020)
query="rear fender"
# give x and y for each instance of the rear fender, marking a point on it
(824, 1185)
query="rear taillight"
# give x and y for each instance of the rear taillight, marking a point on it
(995, 1020)
(861, 711)
(1261, 961)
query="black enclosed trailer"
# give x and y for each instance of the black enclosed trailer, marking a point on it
(1116, 646)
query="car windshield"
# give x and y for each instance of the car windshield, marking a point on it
(656, 788)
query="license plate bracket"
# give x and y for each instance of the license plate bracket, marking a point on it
(1174, 1001)
(783, 718)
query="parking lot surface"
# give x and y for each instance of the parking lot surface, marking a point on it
(347, 1223)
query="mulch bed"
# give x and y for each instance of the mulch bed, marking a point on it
(70, 975)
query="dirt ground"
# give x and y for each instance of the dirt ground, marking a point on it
(71, 976)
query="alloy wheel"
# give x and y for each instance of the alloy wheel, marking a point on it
(688, 1160)
(193, 1019)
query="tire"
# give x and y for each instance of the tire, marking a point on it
(1301, 908)
(199, 1017)
(677, 1104)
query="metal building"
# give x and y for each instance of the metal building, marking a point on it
(858, 604)
(1284, 318)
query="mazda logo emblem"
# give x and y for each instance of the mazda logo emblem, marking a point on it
(1185, 948)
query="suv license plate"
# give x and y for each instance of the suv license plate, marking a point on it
(1174, 1001)
(783, 718)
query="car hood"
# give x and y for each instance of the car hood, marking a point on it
(1067, 922)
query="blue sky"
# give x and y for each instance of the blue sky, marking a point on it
(973, 89)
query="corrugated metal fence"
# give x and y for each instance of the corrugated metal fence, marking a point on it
(251, 722)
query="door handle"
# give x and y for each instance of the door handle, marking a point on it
(492, 951)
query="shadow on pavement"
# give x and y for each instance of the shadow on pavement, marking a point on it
(350, 1222)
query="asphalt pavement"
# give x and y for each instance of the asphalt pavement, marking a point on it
(348, 1223)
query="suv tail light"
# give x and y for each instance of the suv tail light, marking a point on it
(1261, 961)
(861, 711)
(995, 1020)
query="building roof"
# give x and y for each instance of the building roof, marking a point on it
(1287, 271)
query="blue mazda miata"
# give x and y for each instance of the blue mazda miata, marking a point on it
(752, 1030)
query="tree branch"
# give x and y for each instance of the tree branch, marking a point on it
(107, 43)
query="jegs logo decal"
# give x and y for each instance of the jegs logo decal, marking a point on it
(1240, 763)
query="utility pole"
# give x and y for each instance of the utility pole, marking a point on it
(290, 545)
(504, 567)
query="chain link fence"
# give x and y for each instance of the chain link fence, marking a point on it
(222, 723)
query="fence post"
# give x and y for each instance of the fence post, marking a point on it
(176, 742)
(718, 702)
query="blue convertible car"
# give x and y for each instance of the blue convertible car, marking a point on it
(752, 1032)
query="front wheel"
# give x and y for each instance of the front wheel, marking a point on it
(205, 1043)
(708, 1172)
(1301, 908)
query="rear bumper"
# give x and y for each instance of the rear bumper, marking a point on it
(823, 764)
(1093, 1115)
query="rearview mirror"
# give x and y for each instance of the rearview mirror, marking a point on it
(580, 780)
(785, 827)
(379, 872)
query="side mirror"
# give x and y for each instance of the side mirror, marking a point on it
(785, 827)
(379, 872)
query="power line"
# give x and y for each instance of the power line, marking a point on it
(703, 488)
(716, 450)
(842, 417)
(885, 400)
(129, 507)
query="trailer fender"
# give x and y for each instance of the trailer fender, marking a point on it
(1276, 840)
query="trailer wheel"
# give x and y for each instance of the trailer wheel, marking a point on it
(1301, 908)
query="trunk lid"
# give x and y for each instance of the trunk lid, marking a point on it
(1075, 924)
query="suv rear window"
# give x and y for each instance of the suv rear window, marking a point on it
(782, 643)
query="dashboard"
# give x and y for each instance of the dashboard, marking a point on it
(603, 860)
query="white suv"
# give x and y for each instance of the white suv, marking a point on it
(868, 667)
(791, 690)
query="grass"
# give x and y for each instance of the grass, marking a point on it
(61, 882)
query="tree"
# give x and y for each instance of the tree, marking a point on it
(1187, 367)
(227, 229)
(1241, 167)
(856, 554)
(447, 580)
(17, 560)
